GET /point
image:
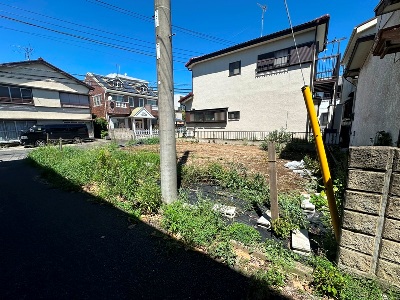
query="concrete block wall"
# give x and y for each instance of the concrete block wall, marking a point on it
(370, 237)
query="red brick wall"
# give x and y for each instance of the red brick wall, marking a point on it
(99, 111)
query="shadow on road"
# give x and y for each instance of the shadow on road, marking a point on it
(58, 244)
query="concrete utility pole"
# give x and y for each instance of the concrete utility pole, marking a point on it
(166, 112)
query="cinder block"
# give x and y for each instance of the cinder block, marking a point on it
(369, 157)
(391, 229)
(357, 241)
(366, 181)
(395, 186)
(396, 160)
(354, 260)
(393, 208)
(391, 251)
(389, 272)
(359, 222)
(363, 202)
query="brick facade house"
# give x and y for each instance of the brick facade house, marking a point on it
(123, 101)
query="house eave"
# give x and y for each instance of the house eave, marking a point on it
(305, 27)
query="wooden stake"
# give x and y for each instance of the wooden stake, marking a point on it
(273, 191)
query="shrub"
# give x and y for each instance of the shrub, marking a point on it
(290, 210)
(197, 225)
(279, 137)
(327, 279)
(243, 233)
(223, 251)
(282, 227)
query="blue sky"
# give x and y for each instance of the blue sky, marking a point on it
(118, 36)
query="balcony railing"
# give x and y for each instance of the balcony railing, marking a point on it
(327, 67)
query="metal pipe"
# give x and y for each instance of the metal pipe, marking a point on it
(326, 176)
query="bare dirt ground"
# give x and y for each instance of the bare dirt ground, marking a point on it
(251, 157)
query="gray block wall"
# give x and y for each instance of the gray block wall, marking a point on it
(370, 236)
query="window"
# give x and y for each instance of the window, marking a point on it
(206, 116)
(131, 102)
(141, 102)
(118, 98)
(285, 57)
(68, 99)
(14, 94)
(273, 60)
(117, 83)
(97, 100)
(235, 68)
(234, 115)
(152, 102)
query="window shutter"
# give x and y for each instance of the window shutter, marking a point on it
(305, 53)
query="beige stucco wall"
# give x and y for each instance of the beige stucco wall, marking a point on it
(41, 77)
(265, 103)
(46, 98)
(377, 104)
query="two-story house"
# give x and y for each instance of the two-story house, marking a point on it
(36, 92)
(372, 76)
(124, 101)
(256, 85)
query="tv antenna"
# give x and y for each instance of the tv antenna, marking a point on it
(264, 9)
(27, 50)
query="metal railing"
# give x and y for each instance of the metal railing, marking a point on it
(242, 135)
(327, 67)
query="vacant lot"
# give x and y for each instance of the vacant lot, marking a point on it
(251, 157)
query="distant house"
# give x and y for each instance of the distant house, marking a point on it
(125, 102)
(372, 80)
(256, 85)
(36, 92)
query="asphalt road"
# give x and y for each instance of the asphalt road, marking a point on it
(56, 244)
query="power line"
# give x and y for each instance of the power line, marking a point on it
(93, 34)
(138, 51)
(150, 19)
(91, 28)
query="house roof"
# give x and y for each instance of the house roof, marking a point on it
(324, 20)
(141, 113)
(43, 62)
(385, 6)
(186, 98)
(359, 46)
(128, 84)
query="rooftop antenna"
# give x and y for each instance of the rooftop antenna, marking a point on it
(264, 9)
(27, 50)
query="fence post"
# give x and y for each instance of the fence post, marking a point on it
(273, 181)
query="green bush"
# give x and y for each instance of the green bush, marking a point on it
(327, 279)
(223, 251)
(243, 233)
(197, 225)
(320, 201)
(279, 137)
(283, 227)
(290, 210)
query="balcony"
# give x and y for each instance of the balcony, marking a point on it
(116, 108)
(326, 73)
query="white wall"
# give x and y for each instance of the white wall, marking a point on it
(265, 103)
(377, 103)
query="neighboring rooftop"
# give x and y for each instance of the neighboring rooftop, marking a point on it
(324, 20)
(123, 83)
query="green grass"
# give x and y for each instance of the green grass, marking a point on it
(127, 180)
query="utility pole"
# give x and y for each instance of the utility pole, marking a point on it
(165, 85)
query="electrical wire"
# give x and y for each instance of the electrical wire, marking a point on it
(137, 51)
(294, 40)
(150, 19)
(91, 28)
